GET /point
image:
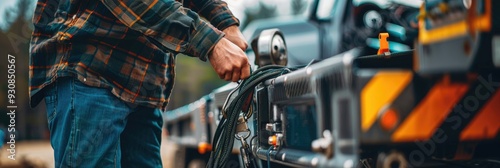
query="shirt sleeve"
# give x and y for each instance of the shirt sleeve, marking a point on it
(215, 11)
(169, 23)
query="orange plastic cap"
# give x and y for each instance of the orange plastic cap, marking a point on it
(384, 44)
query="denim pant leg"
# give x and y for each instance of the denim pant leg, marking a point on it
(141, 139)
(85, 124)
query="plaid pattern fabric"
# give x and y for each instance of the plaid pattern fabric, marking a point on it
(128, 46)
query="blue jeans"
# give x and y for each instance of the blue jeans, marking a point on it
(90, 127)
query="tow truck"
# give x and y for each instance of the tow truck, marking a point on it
(433, 105)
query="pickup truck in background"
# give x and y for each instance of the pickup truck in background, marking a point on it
(332, 28)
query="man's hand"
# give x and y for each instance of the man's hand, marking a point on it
(234, 35)
(229, 61)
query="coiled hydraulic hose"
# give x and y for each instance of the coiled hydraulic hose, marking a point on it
(224, 135)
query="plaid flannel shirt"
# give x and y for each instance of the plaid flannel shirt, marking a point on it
(128, 46)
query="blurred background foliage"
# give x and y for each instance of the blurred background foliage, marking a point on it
(194, 78)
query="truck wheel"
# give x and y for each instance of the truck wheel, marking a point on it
(393, 159)
(197, 163)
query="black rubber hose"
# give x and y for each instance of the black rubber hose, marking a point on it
(234, 109)
(224, 136)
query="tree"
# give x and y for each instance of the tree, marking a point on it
(30, 123)
(193, 80)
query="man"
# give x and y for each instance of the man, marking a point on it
(106, 68)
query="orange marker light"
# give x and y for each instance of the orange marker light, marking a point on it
(384, 45)
(204, 147)
(273, 140)
(389, 119)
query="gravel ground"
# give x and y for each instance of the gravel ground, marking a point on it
(39, 154)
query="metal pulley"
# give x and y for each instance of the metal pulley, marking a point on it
(270, 48)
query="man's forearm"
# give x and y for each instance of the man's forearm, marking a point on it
(215, 11)
(173, 26)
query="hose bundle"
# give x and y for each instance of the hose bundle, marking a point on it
(224, 135)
